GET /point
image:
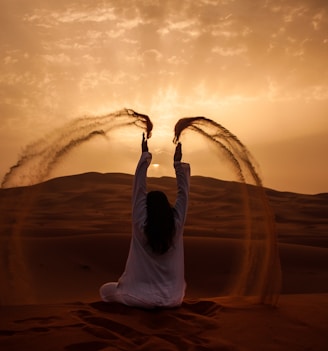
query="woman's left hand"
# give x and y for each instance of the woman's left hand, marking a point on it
(144, 144)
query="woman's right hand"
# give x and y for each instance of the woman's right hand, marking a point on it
(178, 152)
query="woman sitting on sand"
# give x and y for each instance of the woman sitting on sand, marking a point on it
(154, 271)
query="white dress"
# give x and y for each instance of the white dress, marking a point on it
(152, 280)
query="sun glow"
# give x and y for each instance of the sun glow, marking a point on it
(164, 109)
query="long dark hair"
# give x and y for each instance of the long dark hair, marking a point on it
(159, 227)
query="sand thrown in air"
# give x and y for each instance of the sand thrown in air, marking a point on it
(258, 273)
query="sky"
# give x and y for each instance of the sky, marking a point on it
(257, 67)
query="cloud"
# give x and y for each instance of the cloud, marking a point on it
(91, 59)
(151, 56)
(104, 79)
(128, 24)
(60, 58)
(177, 60)
(188, 28)
(9, 60)
(294, 13)
(13, 79)
(229, 51)
(73, 14)
(319, 19)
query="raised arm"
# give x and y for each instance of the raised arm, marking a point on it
(139, 191)
(182, 171)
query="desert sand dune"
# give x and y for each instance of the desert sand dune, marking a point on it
(60, 240)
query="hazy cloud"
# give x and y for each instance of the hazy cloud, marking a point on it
(58, 58)
(73, 14)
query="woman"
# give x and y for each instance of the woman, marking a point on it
(154, 271)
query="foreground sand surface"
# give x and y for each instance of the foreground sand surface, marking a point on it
(299, 323)
(62, 239)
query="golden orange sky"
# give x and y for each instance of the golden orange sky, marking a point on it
(257, 67)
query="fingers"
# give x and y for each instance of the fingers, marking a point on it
(178, 148)
(178, 152)
(144, 145)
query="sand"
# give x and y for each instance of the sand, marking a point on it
(62, 239)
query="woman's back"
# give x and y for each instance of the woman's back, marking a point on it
(149, 275)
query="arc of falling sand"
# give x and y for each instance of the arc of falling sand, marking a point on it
(47, 152)
(262, 279)
(52, 148)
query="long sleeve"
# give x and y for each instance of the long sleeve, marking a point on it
(139, 192)
(182, 171)
(150, 279)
